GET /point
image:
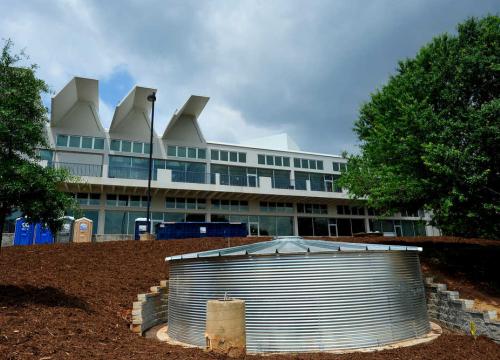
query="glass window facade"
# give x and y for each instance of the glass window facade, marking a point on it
(94, 216)
(185, 203)
(308, 164)
(273, 160)
(344, 227)
(74, 141)
(94, 199)
(191, 153)
(137, 147)
(232, 156)
(126, 146)
(115, 145)
(186, 152)
(129, 146)
(171, 150)
(229, 205)
(339, 166)
(312, 208)
(82, 142)
(271, 206)
(87, 142)
(181, 151)
(46, 155)
(99, 143)
(62, 140)
(116, 222)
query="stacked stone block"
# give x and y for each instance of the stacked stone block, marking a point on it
(447, 308)
(150, 309)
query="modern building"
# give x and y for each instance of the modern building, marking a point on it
(269, 183)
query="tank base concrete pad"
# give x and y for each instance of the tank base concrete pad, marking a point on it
(159, 333)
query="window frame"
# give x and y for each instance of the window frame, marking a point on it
(115, 141)
(128, 143)
(91, 142)
(61, 136)
(98, 140)
(71, 137)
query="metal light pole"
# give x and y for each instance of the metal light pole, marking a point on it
(151, 98)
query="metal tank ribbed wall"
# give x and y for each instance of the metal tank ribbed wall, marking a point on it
(305, 302)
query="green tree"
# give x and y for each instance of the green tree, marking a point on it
(24, 184)
(430, 138)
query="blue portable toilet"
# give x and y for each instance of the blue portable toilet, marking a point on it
(43, 235)
(24, 232)
(141, 227)
(65, 233)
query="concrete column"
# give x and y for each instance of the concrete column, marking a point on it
(295, 225)
(105, 165)
(208, 215)
(102, 215)
(225, 331)
(367, 224)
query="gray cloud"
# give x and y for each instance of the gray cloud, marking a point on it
(298, 66)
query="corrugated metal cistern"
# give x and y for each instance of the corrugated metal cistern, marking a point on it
(308, 297)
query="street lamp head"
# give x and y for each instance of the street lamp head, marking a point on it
(152, 97)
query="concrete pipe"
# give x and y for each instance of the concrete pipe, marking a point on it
(225, 327)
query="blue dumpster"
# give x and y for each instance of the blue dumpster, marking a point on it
(141, 227)
(43, 235)
(184, 230)
(24, 232)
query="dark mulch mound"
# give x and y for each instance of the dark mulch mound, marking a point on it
(71, 301)
(470, 266)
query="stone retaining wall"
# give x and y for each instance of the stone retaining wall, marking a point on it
(150, 309)
(458, 314)
(112, 237)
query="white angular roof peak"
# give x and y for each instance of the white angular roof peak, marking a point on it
(274, 142)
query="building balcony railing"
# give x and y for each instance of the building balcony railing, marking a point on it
(176, 176)
(193, 177)
(238, 180)
(127, 172)
(78, 169)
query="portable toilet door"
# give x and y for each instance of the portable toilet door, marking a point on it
(141, 227)
(43, 235)
(24, 232)
(82, 230)
(65, 234)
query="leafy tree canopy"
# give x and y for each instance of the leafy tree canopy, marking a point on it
(430, 138)
(24, 184)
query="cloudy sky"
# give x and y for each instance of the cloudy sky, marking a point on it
(296, 66)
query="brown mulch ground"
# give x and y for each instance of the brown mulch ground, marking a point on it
(70, 301)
